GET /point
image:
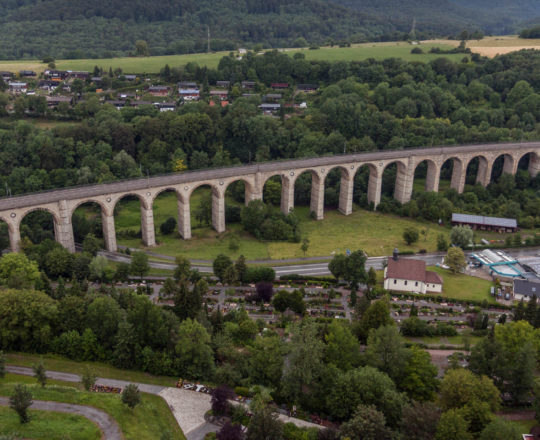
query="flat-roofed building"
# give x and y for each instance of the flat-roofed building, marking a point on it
(485, 223)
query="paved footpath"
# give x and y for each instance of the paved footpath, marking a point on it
(108, 426)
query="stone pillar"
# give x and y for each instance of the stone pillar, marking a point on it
(433, 176)
(63, 229)
(534, 164)
(404, 182)
(147, 226)
(483, 177)
(14, 237)
(218, 211)
(254, 192)
(346, 189)
(374, 187)
(109, 232)
(317, 195)
(287, 194)
(184, 219)
(510, 165)
(459, 172)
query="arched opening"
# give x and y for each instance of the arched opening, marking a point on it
(38, 226)
(361, 186)
(165, 209)
(332, 187)
(445, 178)
(525, 161)
(498, 168)
(86, 219)
(4, 236)
(302, 190)
(471, 173)
(420, 176)
(127, 221)
(389, 180)
(235, 199)
(200, 203)
(272, 191)
(526, 170)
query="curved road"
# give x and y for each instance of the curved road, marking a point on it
(107, 425)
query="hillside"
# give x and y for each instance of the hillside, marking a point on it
(107, 28)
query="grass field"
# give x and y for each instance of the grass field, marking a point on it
(498, 45)
(48, 425)
(58, 363)
(459, 340)
(464, 287)
(154, 64)
(148, 421)
(376, 233)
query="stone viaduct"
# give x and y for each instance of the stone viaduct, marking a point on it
(63, 202)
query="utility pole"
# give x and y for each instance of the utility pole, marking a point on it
(208, 33)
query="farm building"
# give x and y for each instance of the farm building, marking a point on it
(485, 223)
(526, 288)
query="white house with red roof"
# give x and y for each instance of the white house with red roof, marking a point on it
(408, 275)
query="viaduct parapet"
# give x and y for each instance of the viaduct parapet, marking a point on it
(63, 202)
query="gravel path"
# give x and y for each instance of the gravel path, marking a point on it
(107, 424)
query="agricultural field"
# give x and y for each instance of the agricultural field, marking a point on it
(498, 45)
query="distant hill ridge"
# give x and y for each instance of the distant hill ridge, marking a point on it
(98, 28)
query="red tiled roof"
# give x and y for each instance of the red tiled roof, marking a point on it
(414, 270)
(433, 277)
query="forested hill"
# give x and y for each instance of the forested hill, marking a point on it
(451, 16)
(103, 28)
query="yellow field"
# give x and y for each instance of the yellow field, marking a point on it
(493, 46)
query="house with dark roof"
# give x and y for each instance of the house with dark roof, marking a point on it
(485, 223)
(525, 289)
(158, 90)
(409, 275)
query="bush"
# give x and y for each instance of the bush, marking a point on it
(417, 50)
(258, 274)
(168, 226)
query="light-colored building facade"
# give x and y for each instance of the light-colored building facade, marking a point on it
(408, 275)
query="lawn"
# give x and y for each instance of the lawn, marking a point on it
(464, 287)
(152, 65)
(459, 340)
(58, 363)
(48, 425)
(376, 233)
(148, 421)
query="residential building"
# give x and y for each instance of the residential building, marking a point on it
(53, 101)
(17, 88)
(307, 88)
(189, 94)
(409, 275)
(248, 85)
(279, 86)
(158, 90)
(223, 84)
(526, 288)
(269, 108)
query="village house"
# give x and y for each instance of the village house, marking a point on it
(525, 289)
(223, 84)
(221, 94)
(248, 85)
(56, 75)
(409, 275)
(48, 85)
(17, 88)
(27, 73)
(165, 106)
(128, 77)
(6, 76)
(189, 94)
(127, 95)
(78, 75)
(158, 90)
(307, 88)
(269, 108)
(485, 223)
(53, 101)
(187, 85)
(279, 86)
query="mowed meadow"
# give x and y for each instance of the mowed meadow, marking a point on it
(154, 64)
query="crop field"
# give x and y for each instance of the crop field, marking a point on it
(498, 45)
(153, 65)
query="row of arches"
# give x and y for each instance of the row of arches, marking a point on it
(208, 204)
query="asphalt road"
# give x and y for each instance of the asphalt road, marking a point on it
(107, 425)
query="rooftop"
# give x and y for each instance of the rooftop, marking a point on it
(485, 221)
(409, 269)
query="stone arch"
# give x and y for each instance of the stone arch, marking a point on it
(10, 235)
(103, 206)
(371, 185)
(148, 232)
(503, 163)
(273, 177)
(144, 200)
(55, 214)
(339, 187)
(6, 220)
(316, 192)
(250, 192)
(483, 169)
(430, 173)
(402, 180)
(160, 191)
(456, 171)
(532, 164)
(218, 202)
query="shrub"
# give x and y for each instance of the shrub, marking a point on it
(168, 226)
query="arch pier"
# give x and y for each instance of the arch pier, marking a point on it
(63, 202)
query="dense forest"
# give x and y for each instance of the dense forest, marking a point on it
(75, 29)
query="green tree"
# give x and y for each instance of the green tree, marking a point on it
(264, 424)
(386, 351)
(377, 315)
(240, 268)
(461, 236)
(452, 426)
(367, 424)
(131, 396)
(442, 243)
(141, 48)
(220, 266)
(39, 373)
(500, 429)
(17, 271)
(88, 379)
(460, 387)
(19, 401)
(455, 259)
(342, 347)
(126, 349)
(2, 365)
(351, 268)
(139, 264)
(410, 235)
(305, 245)
(91, 244)
(419, 420)
(419, 378)
(183, 267)
(521, 377)
(193, 352)
(99, 269)
(266, 361)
